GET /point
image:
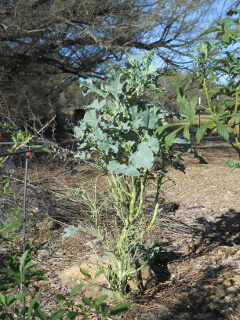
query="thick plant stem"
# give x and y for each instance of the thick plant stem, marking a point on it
(236, 134)
(208, 99)
(133, 200)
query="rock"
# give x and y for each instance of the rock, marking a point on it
(144, 279)
(59, 253)
(232, 290)
(236, 281)
(96, 286)
(227, 282)
(220, 292)
(8, 167)
(209, 290)
(230, 262)
(73, 276)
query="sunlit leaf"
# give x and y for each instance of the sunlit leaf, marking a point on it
(85, 273)
(75, 289)
(22, 261)
(99, 301)
(222, 130)
(143, 158)
(101, 271)
(33, 304)
(201, 131)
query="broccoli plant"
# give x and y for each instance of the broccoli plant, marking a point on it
(127, 129)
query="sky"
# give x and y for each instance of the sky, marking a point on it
(218, 10)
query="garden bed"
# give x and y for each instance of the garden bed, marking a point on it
(199, 228)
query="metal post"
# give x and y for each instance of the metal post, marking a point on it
(24, 229)
(25, 203)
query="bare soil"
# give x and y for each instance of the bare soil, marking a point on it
(199, 228)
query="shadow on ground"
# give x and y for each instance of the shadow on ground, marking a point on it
(215, 292)
(224, 232)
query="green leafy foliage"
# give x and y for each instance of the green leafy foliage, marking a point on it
(12, 272)
(121, 123)
(17, 270)
(217, 69)
(231, 163)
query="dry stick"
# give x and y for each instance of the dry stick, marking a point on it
(23, 286)
(39, 131)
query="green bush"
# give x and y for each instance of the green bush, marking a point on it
(217, 72)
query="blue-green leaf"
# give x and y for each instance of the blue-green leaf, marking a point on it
(93, 88)
(105, 146)
(122, 169)
(91, 118)
(96, 105)
(70, 231)
(143, 157)
(149, 119)
(115, 85)
(153, 143)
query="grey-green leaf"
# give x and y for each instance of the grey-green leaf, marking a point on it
(70, 231)
(143, 157)
(91, 118)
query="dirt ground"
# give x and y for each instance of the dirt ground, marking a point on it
(199, 228)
